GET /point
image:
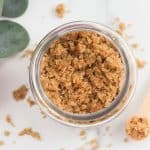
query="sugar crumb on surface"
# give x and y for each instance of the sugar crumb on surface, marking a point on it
(119, 26)
(2, 143)
(43, 114)
(7, 133)
(92, 144)
(30, 132)
(138, 128)
(83, 134)
(122, 26)
(60, 10)
(135, 45)
(9, 120)
(119, 32)
(20, 93)
(140, 63)
(31, 102)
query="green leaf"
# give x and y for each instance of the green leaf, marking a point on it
(1, 6)
(13, 38)
(14, 8)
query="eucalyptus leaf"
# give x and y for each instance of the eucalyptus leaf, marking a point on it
(13, 38)
(14, 8)
(1, 6)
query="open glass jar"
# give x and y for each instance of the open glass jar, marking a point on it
(90, 119)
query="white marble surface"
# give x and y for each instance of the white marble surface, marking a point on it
(39, 19)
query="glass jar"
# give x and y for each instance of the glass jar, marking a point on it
(91, 119)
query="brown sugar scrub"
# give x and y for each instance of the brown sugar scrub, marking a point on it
(140, 63)
(60, 10)
(7, 133)
(138, 126)
(31, 102)
(81, 72)
(9, 120)
(20, 93)
(30, 132)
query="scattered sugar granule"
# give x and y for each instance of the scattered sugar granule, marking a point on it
(6, 133)
(20, 93)
(135, 45)
(9, 120)
(30, 132)
(140, 63)
(83, 134)
(60, 10)
(94, 144)
(31, 102)
(122, 26)
(2, 143)
(43, 114)
(119, 32)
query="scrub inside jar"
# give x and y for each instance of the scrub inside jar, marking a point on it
(81, 72)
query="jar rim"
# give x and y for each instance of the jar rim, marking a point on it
(34, 73)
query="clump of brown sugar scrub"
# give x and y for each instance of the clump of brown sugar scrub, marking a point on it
(140, 63)
(30, 132)
(20, 93)
(83, 134)
(2, 143)
(60, 10)
(9, 120)
(7, 133)
(138, 126)
(31, 102)
(81, 72)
